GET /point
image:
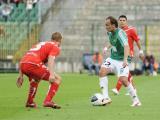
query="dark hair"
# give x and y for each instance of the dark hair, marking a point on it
(113, 21)
(122, 16)
(56, 37)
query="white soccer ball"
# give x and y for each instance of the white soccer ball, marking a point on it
(97, 99)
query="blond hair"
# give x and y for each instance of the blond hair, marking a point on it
(56, 37)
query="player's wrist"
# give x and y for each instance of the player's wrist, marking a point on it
(140, 51)
(52, 78)
(105, 49)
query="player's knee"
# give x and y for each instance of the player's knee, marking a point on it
(124, 81)
(102, 72)
(58, 80)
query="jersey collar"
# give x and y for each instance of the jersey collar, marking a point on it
(125, 27)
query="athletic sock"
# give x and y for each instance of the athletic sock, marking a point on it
(51, 92)
(32, 91)
(103, 82)
(119, 85)
(132, 92)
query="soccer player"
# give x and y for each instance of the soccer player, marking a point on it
(33, 66)
(117, 62)
(132, 37)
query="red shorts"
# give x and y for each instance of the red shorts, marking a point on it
(36, 72)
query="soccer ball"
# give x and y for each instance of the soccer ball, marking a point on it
(97, 99)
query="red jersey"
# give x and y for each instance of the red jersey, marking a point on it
(40, 52)
(132, 36)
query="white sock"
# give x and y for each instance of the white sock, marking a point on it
(132, 92)
(103, 82)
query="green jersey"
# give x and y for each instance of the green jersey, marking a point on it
(118, 39)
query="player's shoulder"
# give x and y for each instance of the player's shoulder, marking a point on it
(131, 28)
(52, 43)
(109, 33)
(121, 31)
(122, 34)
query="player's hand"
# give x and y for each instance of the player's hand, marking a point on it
(105, 50)
(52, 78)
(19, 81)
(125, 63)
(141, 54)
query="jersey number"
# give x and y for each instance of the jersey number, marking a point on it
(38, 46)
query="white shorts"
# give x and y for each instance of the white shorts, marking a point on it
(116, 67)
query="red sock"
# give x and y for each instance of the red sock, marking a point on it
(130, 79)
(119, 84)
(52, 91)
(32, 91)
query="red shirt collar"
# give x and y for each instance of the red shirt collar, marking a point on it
(125, 27)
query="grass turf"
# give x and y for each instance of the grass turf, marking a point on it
(74, 97)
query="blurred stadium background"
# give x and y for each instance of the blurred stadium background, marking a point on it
(24, 23)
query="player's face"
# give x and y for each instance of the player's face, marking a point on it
(59, 44)
(122, 22)
(109, 26)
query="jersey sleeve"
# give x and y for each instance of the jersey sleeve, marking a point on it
(123, 38)
(55, 51)
(134, 34)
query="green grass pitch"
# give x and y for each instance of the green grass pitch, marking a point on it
(74, 97)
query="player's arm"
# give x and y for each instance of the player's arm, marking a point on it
(52, 55)
(141, 54)
(126, 54)
(124, 42)
(19, 79)
(51, 68)
(136, 38)
(106, 48)
(138, 45)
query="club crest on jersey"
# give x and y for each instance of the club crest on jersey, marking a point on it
(107, 63)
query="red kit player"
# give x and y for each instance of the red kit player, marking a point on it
(33, 66)
(132, 37)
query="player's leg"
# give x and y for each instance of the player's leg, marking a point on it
(53, 88)
(41, 72)
(103, 79)
(27, 70)
(123, 75)
(116, 90)
(32, 92)
(130, 79)
(131, 91)
(118, 87)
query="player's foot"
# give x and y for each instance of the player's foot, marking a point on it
(115, 91)
(51, 104)
(136, 104)
(106, 101)
(31, 105)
